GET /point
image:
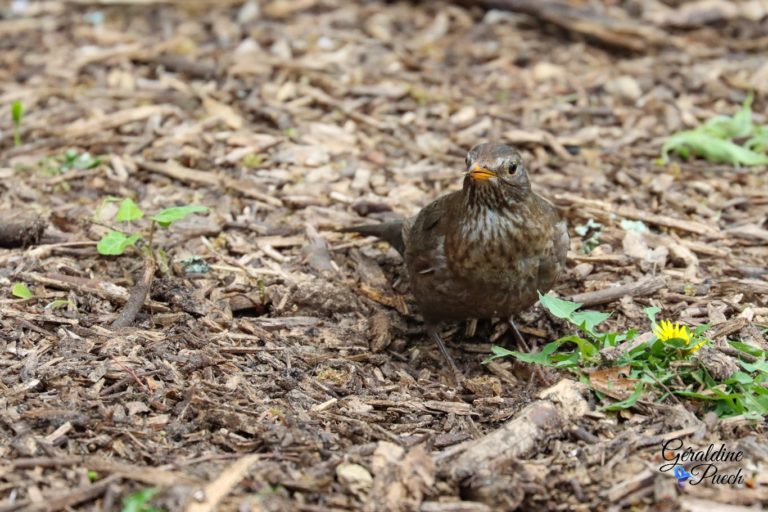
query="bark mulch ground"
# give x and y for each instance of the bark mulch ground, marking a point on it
(280, 365)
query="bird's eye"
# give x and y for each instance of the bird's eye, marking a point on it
(512, 168)
(466, 160)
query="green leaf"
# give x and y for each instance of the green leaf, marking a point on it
(498, 352)
(21, 291)
(759, 141)
(58, 304)
(588, 320)
(740, 378)
(565, 360)
(137, 502)
(633, 225)
(678, 343)
(629, 402)
(115, 243)
(587, 350)
(128, 211)
(541, 357)
(170, 215)
(727, 127)
(73, 159)
(755, 404)
(711, 148)
(253, 161)
(694, 394)
(758, 366)
(651, 313)
(558, 307)
(700, 329)
(17, 112)
(749, 349)
(195, 265)
(104, 202)
(86, 161)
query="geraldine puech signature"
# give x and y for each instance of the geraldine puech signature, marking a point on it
(702, 463)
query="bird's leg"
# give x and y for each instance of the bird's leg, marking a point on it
(432, 331)
(518, 337)
(522, 343)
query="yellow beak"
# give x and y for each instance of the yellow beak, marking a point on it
(481, 173)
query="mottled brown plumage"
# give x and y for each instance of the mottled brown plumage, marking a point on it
(483, 251)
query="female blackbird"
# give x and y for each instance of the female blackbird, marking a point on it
(483, 251)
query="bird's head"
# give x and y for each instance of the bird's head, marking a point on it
(495, 171)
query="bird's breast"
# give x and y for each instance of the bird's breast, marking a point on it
(487, 244)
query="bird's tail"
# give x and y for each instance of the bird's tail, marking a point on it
(390, 232)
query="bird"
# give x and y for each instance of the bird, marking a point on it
(481, 252)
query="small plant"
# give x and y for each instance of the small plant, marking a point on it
(253, 161)
(590, 233)
(17, 115)
(21, 291)
(116, 242)
(73, 159)
(715, 140)
(138, 501)
(57, 304)
(626, 367)
(70, 159)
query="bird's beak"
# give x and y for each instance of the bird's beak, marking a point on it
(481, 173)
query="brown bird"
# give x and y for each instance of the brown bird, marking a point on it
(483, 251)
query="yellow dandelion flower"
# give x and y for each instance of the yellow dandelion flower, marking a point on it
(666, 330)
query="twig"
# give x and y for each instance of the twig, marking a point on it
(631, 34)
(638, 288)
(605, 208)
(216, 490)
(103, 289)
(20, 229)
(132, 373)
(65, 501)
(138, 295)
(559, 406)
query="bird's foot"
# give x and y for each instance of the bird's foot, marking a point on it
(518, 337)
(458, 377)
(538, 372)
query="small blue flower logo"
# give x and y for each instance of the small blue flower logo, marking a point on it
(682, 475)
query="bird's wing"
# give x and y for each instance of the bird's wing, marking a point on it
(552, 264)
(419, 231)
(424, 237)
(562, 241)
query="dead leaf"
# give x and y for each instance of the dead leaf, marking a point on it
(613, 382)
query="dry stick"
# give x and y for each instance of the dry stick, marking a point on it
(636, 289)
(215, 491)
(43, 462)
(178, 172)
(629, 34)
(34, 317)
(132, 373)
(560, 405)
(148, 475)
(145, 474)
(103, 289)
(138, 295)
(60, 501)
(20, 229)
(115, 119)
(605, 208)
